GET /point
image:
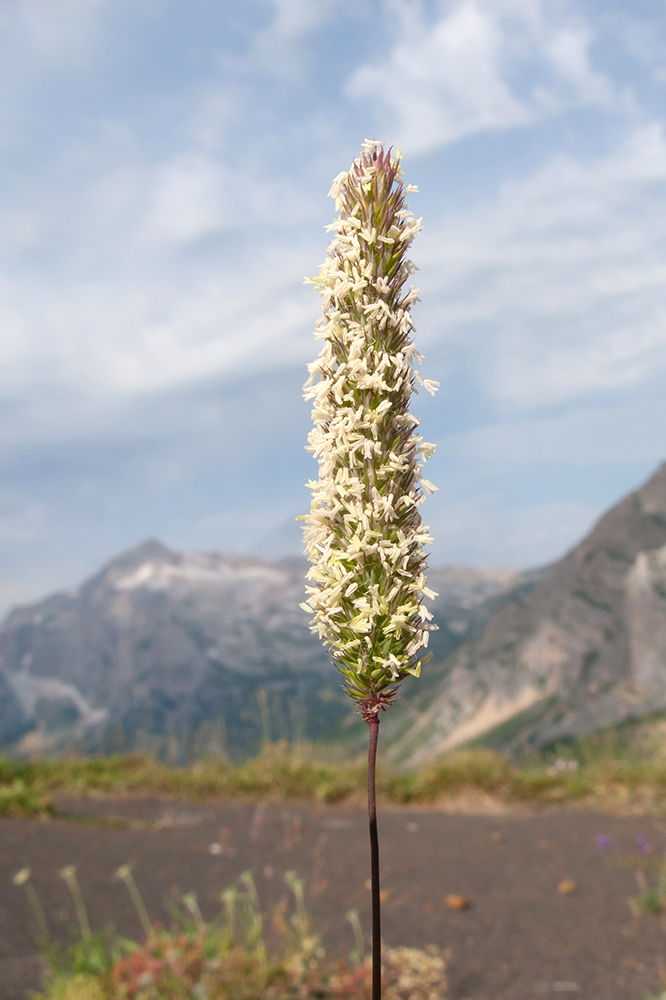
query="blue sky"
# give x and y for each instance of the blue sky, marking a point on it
(165, 167)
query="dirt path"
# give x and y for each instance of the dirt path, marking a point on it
(521, 938)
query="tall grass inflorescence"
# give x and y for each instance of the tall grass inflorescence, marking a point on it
(364, 535)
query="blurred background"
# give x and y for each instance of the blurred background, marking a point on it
(165, 168)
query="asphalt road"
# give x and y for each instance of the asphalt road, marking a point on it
(521, 938)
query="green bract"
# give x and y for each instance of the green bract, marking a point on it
(364, 534)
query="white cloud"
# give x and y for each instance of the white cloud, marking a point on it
(281, 48)
(458, 74)
(568, 51)
(217, 109)
(161, 204)
(132, 298)
(441, 81)
(560, 283)
(187, 201)
(628, 433)
(94, 340)
(56, 30)
(293, 20)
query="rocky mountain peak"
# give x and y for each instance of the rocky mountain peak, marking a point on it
(583, 649)
(161, 646)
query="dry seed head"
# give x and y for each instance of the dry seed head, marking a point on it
(364, 535)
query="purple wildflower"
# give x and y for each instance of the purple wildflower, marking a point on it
(643, 846)
(603, 842)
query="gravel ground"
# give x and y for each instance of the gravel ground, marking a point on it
(522, 936)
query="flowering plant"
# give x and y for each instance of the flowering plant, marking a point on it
(364, 534)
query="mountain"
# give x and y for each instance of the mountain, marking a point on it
(178, 653)
(579, 648)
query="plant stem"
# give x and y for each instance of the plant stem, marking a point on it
(373, 726)
(139, 904)
(38, 910)
(69, 875)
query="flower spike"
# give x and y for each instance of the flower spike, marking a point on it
(364, 535)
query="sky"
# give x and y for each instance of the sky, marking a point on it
(163, 194)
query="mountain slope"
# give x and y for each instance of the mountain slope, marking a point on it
(584, 648)
(173, 652)
(161, 643)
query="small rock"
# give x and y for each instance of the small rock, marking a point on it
(458, 902)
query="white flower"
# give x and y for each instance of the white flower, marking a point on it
(364, 534)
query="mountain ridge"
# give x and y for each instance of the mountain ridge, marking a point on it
(583, 649)
(176, 652)
(160, 646)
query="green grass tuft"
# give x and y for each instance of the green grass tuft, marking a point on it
(606, 768)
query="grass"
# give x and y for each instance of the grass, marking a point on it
(278, 771)
(612, 769)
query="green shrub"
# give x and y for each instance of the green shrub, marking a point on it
(18, 800)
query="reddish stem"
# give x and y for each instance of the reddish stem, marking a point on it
(373, 726)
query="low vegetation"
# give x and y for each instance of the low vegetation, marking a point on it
(245, 954)
(613, 769)
(237, 956)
